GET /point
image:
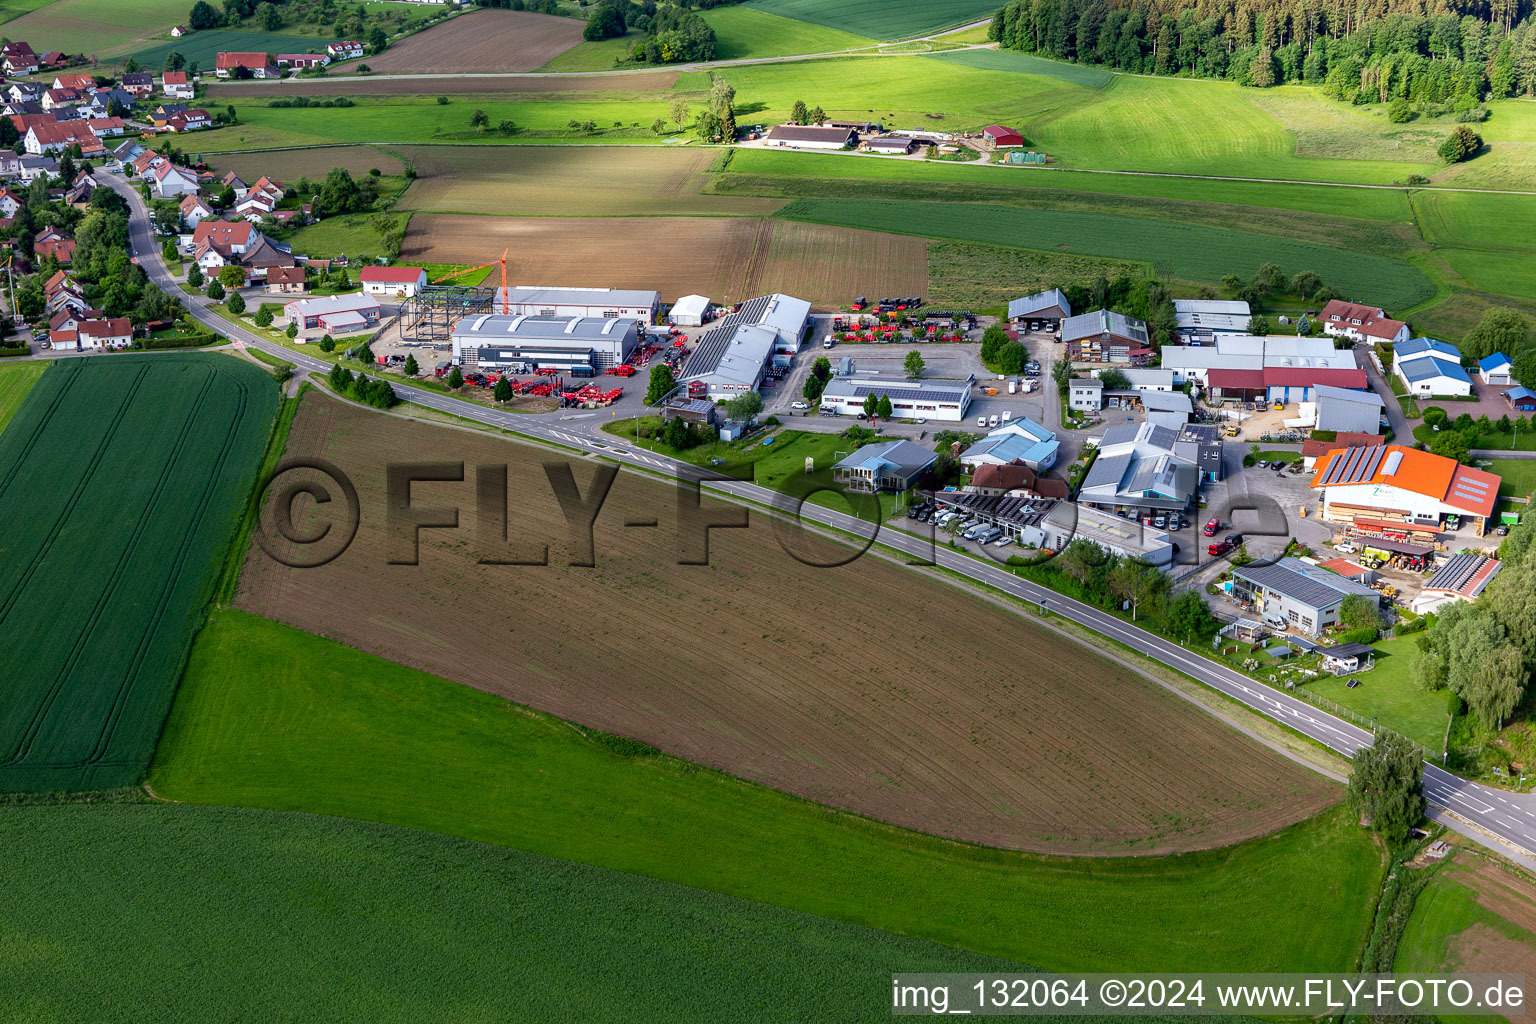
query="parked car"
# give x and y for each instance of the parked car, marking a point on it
(1175, 522)
(1220, 547)
(799, 405)
(1345, 547)
(1234, 540)
(1211, 526)
(981, 421)
(1161, 522)
(1262, 464)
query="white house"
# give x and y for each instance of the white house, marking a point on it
(174, 84)
(170, 181)
(9, 202)
(1430, 368)
(401, 281)
(194, 210)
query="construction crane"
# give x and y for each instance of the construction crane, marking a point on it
(505, 307)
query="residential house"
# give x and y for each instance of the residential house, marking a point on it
(260, 200)
(344, 49)
(10, 202)
(189, 120)
(170, 181)
(193, 210)
(139, 83)
(57, 137)
(285, 280)
(54, 99)
(106, 127)
(81, 188)
(30, 168)
(235, 183)
(51, 59)
(216, 243)
(397, 281)
(1014, 479)
(24, 92)
(104, 101)
(162, 114)
(887, 466)
(53, 242)
(1497, 370)
(79, 82)
(105, 333)
(1085, 394)
(175, 85)
(1361, 323)
(233, 64)
(18, 59)
(262, 257)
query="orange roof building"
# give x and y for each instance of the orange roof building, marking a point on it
(1393, 484)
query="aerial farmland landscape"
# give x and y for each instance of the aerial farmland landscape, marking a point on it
(701, 510)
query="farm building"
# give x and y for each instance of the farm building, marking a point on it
(403, 281)
(1278, 368)
(1137, 470)
(1303, 596)
(1395, 489)
(1085, 394)
(1497, 370)
(1147, 378)
(889, 466)
(1102, 336)
(602, 303)
(891, 144)
(1167, 409)
(236, 65)
(1521, 398)
(1021, 441)
(1430, 368)
(1460, 578)
(690, 311)
(1050, 307)
(1200, 321)
(999, 137)
(523, 344)
(734, 355)
(1348, 411)
(1361, 323)
(945, 400)
(810, 136)
(333, 314)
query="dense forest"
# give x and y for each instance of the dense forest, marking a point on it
(1428, 52)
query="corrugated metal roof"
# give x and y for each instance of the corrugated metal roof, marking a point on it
(1052, 299)
(1310, 585)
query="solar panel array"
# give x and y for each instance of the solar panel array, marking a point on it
(1455, 573)
(1354, 465)
(713, 343)
(1469, 488)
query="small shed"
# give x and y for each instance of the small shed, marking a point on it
(690, 410)
(1521, 398)
(891, 144)
(999, 137)
(691, 311)
(1029, 159)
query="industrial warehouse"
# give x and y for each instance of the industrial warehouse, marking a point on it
(910, 399)
(523, 344)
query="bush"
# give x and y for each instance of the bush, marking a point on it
(1360, 635)
(1462, 144)
(180, 341)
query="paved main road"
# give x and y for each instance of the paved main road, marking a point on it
(1500, 816)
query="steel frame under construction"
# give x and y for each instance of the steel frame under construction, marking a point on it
(432, 313)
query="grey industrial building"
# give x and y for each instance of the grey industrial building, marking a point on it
(1050, 307)
(1348, 411)
(522, 344)
(1300, 595)
(910, 399)
(733, 356)
(1137, 471)
(602, 303)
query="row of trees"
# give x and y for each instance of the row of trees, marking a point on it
(1484, 652)
(1390, 50)
(1087, 572)
(346, 21)
(359, 387)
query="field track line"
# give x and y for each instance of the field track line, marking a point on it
(74, 498)
(194, 520)
(119, 571)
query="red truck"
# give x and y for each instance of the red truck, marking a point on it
(1211, 527)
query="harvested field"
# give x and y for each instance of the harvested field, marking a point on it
(121, 480)
(288, 164)
(480, 41)
(646, 81)
(720, 256)
(557, 181)
(1476, 915)
(826, 683)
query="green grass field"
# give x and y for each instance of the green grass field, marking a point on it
(1517, 477)
(1183, 252)
(747, 32)
(13, 9)
(352, 234)
(98, 27)
(1473, 221)
(1388, 693)
(1014, 62)
(1507, 273)
(268, 716)
(153, 912)
(1447, 914)
(883, 19)
(121, 478)
(16, 379)
(204, 47)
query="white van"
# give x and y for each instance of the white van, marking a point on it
(981, 421)
(992, 421)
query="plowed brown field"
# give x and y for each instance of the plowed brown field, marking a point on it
(564, 181)
(480, 41)
(648, 81)
(723, 257)
(866, 687)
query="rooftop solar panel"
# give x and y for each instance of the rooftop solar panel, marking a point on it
(1372, 461)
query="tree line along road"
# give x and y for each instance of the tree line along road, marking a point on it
(1502, 822)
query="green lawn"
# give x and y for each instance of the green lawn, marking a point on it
(203, 47)
(1474, 221)
(268, 716)
(16, 379)
(352, 234)
(1388, 693)
(12, 9)
(1443, 912)
(600, 55)
(157, 912)
(1370, 204)
(746, 32)
(1517, 477)
(1507, 273)
(883, 19)
(1184, 252)
(97, 27)
(1014, 62)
